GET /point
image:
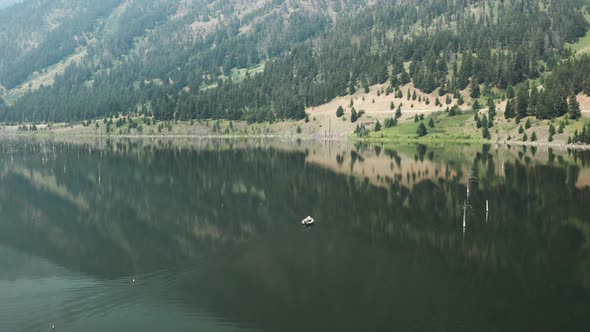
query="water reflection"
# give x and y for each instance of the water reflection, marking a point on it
(211, 232)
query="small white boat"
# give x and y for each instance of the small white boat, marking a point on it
(307, 221)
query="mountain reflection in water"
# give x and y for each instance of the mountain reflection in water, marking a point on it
(211, 232)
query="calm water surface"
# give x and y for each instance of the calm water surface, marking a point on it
(211, 233)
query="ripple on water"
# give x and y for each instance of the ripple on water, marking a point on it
(33, 305)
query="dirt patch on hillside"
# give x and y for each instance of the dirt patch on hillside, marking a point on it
(376, 105)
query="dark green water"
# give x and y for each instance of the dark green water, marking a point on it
(211, 234)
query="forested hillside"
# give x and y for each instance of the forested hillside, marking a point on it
(270, 59)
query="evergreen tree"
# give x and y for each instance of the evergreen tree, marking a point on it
(574, 108)
(366, 85)
(491, 110)
(522, 101)
(486, 133)
(551, 129)
(475, 90)
(509, 112)
(466, 71)
(377, 126)
(533, 100)
(398, 112)
(484, 122)
(510, 92)
(340, 111)
(390, 122)
(361, 131)
(353, 115)
(422, 131)
(451, 111)
(405, 77)
(431, 123)
(476, 105)
(351, 87)
(460, 101)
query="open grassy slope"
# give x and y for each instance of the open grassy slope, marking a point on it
(583, 45)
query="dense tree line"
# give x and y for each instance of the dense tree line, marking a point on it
(558, 95)
(308, 58)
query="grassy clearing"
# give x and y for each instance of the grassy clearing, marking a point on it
(456, 128)
(462, 129)
(573, 125)
(43, 78)
(238, 75)
(583, 45)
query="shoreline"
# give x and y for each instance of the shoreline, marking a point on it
(443, 141)
(172, 136)
(437, 141)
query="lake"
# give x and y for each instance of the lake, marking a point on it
(207, 236)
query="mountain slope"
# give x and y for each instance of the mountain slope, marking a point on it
(37, 34)
(270, 59)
